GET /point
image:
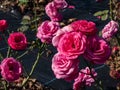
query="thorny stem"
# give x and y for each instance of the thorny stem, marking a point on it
(111, 10)
(22, 55)
(35, 16)
(32, 70)
(8, 52)
(99, 85)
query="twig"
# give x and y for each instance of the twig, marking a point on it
(32, 70)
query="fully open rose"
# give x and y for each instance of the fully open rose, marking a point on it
(11, 69)
(97, 51)
(47, 30)
(17, 41)
(72, 44)
(64, 68)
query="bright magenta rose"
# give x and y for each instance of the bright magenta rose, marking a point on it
(11, 69)
(47, 30)
(17, 41)
(84, 26)
(64, 68)
(97, 51)
(84, 78)
(72, 44)
(3, 25)
(59, 33)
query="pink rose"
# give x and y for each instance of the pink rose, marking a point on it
(64, 68)
(109, 30)
(47, 30)
(52, 12)
(3, 25)
(97, 50)
(72, 44)
(11, 69)
(17, 41)
(84, 78)
(88, 28)
(60, 4)
(59, 33)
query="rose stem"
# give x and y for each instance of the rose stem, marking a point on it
(33, 67)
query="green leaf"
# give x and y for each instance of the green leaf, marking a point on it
(100, 13)
(104, 17)
(23, 1)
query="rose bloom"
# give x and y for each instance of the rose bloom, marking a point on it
(72, 44)
(84, 26)
(17, 41)
(3, 25)
(64, 68)
(52, 12)
(110, 29)
(59, 33)
(47, 30)
(97, 50)
(60, 4)
(84, 78)
(11, 69)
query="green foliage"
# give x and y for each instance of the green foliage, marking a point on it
(103, 14)
(23, 1)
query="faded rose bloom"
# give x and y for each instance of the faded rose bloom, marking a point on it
(64, 68)
(110, 29)
(84, 26)
(84, 78)
(3, 25)
(17, 41)
(115, 74)
(72, 44)
(47, 30)
(97, 50)
(59, 33)
(52, 12)
(11, 69)
(60, 4)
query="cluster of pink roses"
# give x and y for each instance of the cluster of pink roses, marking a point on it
(76, 39)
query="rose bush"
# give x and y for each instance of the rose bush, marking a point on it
(77, 43)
